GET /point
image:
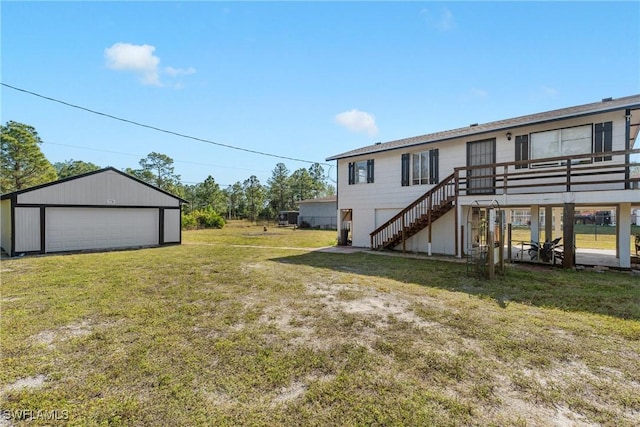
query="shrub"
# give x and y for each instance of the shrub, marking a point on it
(189, 221)
(206, 218)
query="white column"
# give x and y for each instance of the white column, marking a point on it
(535, 223)
(557, 227)
(623, 225)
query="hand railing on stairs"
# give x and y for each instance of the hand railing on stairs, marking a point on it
(417, 216)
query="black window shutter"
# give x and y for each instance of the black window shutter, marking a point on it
(352, 173)
(370, 171)
(406, 158)
(603, 140)
(434, 175)
(522, 150)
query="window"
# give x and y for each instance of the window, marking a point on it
(603, 140)
(522, 150)
(420, 168)
(361, 172)
(560, 142)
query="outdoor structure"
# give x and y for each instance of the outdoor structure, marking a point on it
(318, 213)
(416, 193)
(104, 209)
(288, 218)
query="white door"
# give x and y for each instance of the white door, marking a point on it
(69, 229)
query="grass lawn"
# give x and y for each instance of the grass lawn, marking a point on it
(245, 327)
(587, 236)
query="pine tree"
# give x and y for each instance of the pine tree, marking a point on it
(22, 165)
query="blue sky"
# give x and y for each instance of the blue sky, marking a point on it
(304, 80)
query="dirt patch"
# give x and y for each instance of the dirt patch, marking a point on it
(286, 394)
(380, 307)
(63, 333)
(25, 383)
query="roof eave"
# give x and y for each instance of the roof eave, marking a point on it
(379, 148)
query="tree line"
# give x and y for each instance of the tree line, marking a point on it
(23, 165)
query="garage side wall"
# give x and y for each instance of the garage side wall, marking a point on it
(5, 225)
(27, 227)
(172, 229)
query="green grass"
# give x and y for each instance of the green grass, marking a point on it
(586, 236)
(242, 327)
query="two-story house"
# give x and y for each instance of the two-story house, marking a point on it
(416, 193)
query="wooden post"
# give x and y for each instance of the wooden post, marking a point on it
(548, 223)
(505, 174)
(568, 235)
(509, 248)
(501, 242)
(491, 267)
(429, 211)
(459, 251)
(404, 242)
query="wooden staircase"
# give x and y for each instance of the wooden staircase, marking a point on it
(417, 216)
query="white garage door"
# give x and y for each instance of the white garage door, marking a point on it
(70, 229)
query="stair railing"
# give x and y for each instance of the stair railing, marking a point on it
(419, 210)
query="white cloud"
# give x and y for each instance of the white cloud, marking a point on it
(446, 22)
(137, 58)
(358, 121)
(173, 72)
(140, 59)
(442, 21)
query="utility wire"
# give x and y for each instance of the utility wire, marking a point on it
(181, 135)
(141, 156)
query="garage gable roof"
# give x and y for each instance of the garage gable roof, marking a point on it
(606, 105)
(328, 199)
(84, 175)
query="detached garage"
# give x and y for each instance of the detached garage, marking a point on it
(105, 209)
(319, 213)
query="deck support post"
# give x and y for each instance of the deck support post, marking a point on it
(623, 234)
(535, 223)
(548, 223)
(557, 225)
(491, 261)
(568, 261)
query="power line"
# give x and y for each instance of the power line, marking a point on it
(181, 135)
(141, 156)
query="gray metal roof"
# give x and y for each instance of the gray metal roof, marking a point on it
(327, 199)
(71, 178)
(605, 105)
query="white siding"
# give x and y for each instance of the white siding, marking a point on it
(442, 237)
(5, 225)
(70, 229)
(372, 204)
(101, 189)
(27, 222)
(171, 226)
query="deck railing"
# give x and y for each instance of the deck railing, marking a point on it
(559, 174)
